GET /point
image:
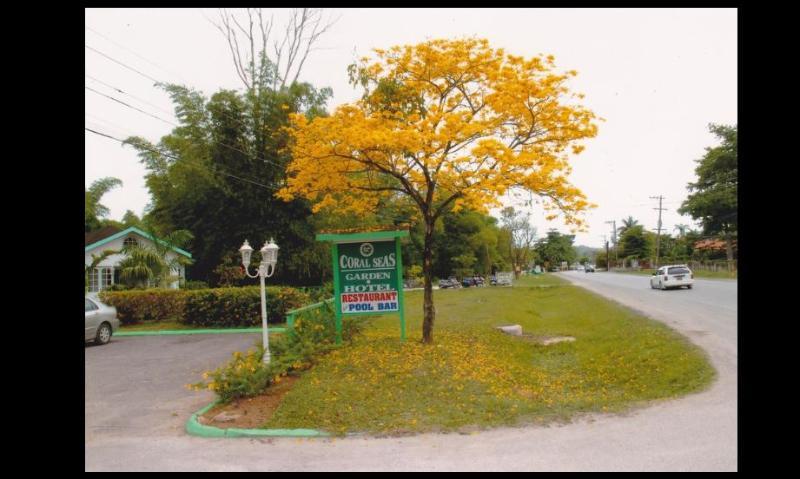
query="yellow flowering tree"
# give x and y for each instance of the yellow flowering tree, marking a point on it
(443, 124)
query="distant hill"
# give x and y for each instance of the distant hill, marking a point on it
(587, 251)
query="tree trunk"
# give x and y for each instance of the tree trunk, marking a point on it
(427, 271)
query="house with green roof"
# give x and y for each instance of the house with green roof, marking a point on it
(112, 238)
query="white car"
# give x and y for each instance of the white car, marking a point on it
(672, 276)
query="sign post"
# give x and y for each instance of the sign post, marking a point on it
(367, 275)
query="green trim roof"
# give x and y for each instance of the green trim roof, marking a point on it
(356, 237)
(136, 230)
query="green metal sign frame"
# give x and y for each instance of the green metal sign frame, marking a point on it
(368, 263)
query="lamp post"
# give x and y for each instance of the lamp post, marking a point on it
(269, 258)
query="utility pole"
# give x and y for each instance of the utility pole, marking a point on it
(605, 239)
(613, 224)
(658, 236)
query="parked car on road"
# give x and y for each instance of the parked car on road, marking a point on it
(100, 321)
(589, 268)
(451, 282)
(672, 276)
(473, 281)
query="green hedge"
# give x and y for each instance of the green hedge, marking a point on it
(216, 307)
(138, 306)
(229, 307)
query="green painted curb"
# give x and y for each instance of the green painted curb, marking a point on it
(194, 428)
(175, 332)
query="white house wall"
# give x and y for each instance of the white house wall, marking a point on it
(115, 259)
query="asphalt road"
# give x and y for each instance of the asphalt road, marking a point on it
(136, 407)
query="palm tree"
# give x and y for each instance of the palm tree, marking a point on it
(627, 223)
(146, 263)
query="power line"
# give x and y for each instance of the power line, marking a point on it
(177, 126)
(107, 124)
(133, 52)
(122, 64)
(221, 112)
(177, 159)
(130, 106)
(240, 122)
(97, 125)
(126, 93)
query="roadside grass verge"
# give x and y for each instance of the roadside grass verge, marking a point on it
(697, 274)
(475, 376)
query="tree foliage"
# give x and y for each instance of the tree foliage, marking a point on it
(94, 211)
(521, 236)
(556, 248)
(215, 175)
(467, 243)
(444, 123)
(713, 198)
(635, 243)
(628, 222)
(132, 219)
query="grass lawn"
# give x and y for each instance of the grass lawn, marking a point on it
(697, 274)
(173, 325)
(475, 376)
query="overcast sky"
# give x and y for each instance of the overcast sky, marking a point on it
(657, 76)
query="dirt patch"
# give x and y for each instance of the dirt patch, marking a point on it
(250, 413)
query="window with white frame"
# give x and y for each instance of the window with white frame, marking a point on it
(108, 277)
(130, 241)
(94, 276)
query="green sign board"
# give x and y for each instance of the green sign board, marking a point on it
(367, 274)
(368, 277)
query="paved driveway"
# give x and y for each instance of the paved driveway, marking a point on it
(135, 385)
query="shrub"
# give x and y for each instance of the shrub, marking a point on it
(195, 285)
(319, 293)
(239, 307)
(313, 335)
(219, 307)
(414, 272)
(118, 287)
(318, 326)
(229, 272)
(145, 305)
